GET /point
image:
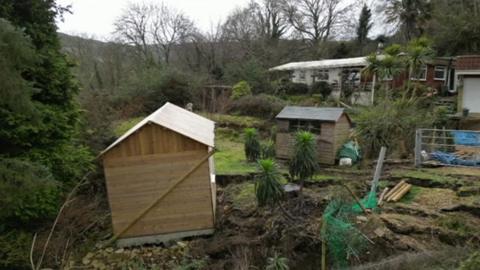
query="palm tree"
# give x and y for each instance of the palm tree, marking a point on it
(268, 189)
(419, 51)
(409, 16)
(304, 161)
(385, 67)
(252, 145)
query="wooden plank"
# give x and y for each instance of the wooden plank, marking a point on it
(155, 239)
(153, 139)
(162, 195)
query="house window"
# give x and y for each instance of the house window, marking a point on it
(297, 125)
(321, 75)
(421, 74)
(440, 73)
(302, 75)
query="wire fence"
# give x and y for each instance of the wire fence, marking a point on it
(447, 147)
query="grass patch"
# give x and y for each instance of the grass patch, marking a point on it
(457, 223)
(411, 195)
(324, 177)
(124, 126)
(230, 155)
(242, 195)
(424, 174)
(235, 120)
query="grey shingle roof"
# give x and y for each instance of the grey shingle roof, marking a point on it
(311, 113)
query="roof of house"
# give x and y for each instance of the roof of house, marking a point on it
(311, 113)
(177, 119)
(327, 63)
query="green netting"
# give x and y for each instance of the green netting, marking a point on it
(369, 202)
(342, 238)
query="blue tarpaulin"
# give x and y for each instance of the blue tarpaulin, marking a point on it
(451, 159)
(466, 138)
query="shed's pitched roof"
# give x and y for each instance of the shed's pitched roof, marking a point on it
(311, 113)
(326, 63)
(179, 120)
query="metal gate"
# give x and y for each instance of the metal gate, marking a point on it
(447, 147)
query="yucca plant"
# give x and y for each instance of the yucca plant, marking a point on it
(268, 189)
(303, 163)
(268, 149)
(252, 144)
(277, 262)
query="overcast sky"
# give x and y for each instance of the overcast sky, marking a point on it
(96, 17)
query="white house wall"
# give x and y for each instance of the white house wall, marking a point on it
(333, 76)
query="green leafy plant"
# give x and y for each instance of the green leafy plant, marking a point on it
(264, 106)
(392, 123)
(268, 189)
(14, 247)
(268, 150)
(303, 163)
(192, 264)
(28, 192)
(252, 144)
(241, 89)
(277, 262)
(322, 88)
(471, 263)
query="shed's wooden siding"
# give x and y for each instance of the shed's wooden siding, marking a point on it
(342, 132)
(325, 142)
(143, 165)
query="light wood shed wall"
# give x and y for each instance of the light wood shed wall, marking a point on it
(144, 164)
(332, 136)
(342, 132)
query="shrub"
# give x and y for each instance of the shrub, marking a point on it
(14, 247)
(241, 89)
(262, 105)
(268, 189)
(303, 163)
(291, 88)
(252, 145)
(471, 263)
(28, 192)
(391, 123)
(68, 162)
(152, 87)
(322, 88)
(268, 149)
(277, 262)
(251, 71)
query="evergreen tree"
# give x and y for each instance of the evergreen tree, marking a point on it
(48, 138)
(364, 25)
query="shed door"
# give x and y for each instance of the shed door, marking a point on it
(471, 94)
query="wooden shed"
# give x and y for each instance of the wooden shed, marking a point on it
(331, 127)
(160, 178)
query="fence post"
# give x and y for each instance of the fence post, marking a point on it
(418, 148)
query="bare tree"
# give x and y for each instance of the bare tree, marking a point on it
(170, 27)
(132, 27)
(273, 22)
(153, 30)
(316, 20)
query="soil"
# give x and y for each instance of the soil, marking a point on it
(433, 218)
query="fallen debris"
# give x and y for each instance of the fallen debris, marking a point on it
(382, 196)
(398, 192)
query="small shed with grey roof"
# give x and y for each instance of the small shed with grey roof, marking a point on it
(160, 178)
(331, 127)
